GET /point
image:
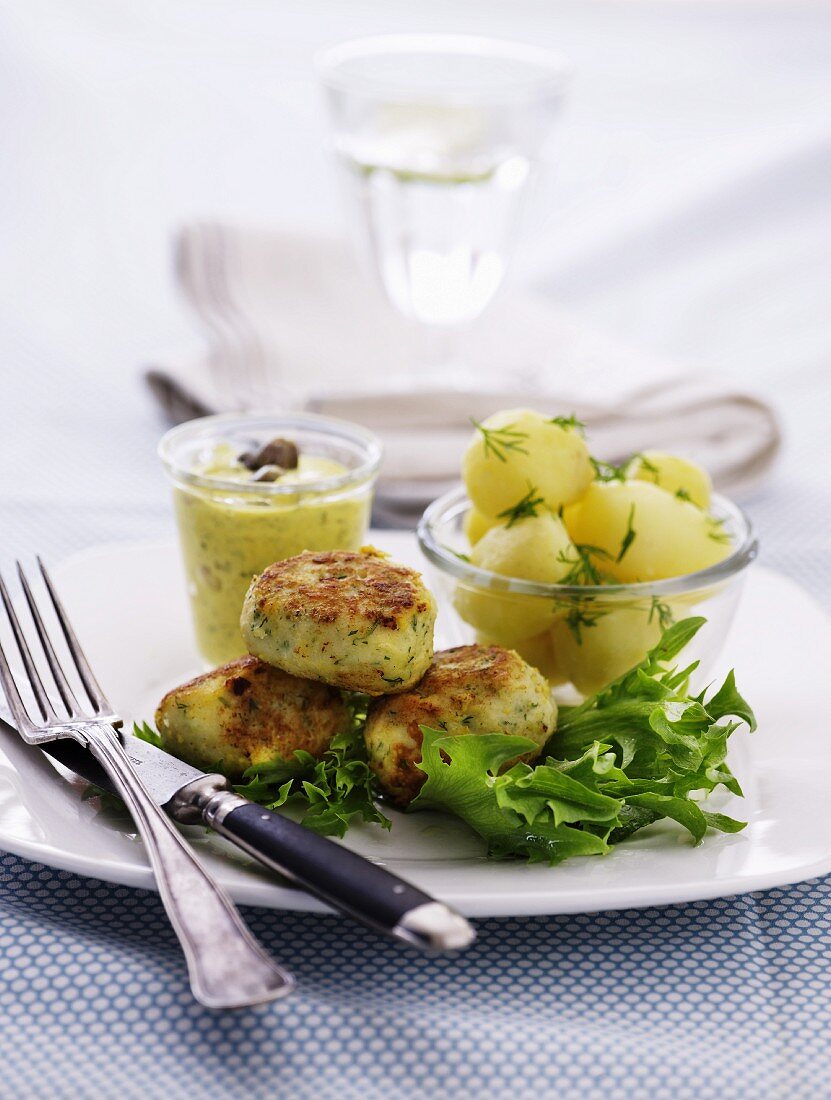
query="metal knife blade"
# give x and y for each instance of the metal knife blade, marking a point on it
(162, 774)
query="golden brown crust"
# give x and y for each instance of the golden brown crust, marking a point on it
(457, 673)
(355, 620)
(252, 709)
(324, 586)
(452, 684)
(403, 778)
(238, 667)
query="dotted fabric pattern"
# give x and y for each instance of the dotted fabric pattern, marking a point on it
(726, 999)
(720, 1000)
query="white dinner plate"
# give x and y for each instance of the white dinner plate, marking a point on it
(129, 607)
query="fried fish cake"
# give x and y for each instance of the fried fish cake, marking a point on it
(245, 713)
(355, 620)
(471, 689)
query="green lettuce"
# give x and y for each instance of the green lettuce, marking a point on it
(641, 750)
(335, 791)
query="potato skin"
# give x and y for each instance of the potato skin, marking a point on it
(537, 548)
(672, 536)
(472, 689)
(354, 620)
(612, 645)
(673, 474)
(553, 459)
(246, 712)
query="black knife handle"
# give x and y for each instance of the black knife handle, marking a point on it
(343, 879)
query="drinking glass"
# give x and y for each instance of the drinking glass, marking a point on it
(437, 139)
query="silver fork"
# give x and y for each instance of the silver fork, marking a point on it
(226, 965)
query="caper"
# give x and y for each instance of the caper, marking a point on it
(279, 452)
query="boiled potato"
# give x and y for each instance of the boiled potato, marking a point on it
(529, 550)
(476, 524)
(540, 652)
(670, 536)
(504, 618)
(673, 474)
(615, 642)
(517, 450)
(532, 549)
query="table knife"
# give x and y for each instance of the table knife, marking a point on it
(344, 880)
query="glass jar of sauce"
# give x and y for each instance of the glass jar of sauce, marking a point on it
(235, 518)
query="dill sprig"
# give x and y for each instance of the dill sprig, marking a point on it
(499, 441)
(650, 467)
(458, 553)
(717, 532)
(662, 611)
(523, 509)
(582, 569)
(629, 536)
(569, 422)
(608, 471)
(580, 616)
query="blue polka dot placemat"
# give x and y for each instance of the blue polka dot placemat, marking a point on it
(724, 999)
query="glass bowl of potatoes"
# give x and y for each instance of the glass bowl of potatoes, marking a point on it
(577, 564)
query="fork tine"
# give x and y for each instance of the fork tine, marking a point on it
(61, 682)
(38, 690)
(91, 685)
(19, 712)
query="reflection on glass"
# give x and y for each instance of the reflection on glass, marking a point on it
(437, 139)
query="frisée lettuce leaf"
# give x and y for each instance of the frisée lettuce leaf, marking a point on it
(334, 792)
(641, 750)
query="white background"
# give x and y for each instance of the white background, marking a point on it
(689, 213)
